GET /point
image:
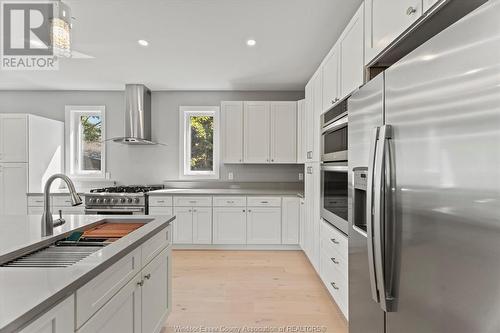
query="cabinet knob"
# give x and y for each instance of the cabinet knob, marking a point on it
(249, 210)
(140, 283)
(411, 10)
(147, 276)
(334, 261)
(243, 210)
(272, 160)
(194, 210)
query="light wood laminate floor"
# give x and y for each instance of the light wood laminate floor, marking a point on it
(249, 289)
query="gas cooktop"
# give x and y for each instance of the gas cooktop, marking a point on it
(127, 189)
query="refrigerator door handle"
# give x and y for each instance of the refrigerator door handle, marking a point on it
(382, 244)
(369, 214)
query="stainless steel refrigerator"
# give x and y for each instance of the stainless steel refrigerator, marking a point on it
(424, 187)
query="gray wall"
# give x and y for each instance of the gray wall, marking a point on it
(150, 164)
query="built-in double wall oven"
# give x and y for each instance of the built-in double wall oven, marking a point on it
(334, 173)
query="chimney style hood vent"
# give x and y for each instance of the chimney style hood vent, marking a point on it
(137, 116)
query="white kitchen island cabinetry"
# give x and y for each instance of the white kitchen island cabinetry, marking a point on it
(59, 319)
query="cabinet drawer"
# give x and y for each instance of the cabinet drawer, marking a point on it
(155, 245)
(157, 210)
(192, 201)
(92, 296)
(230, 201)
(160, 201)
(337, 239)
(63, 200)
(264, 201)
(337, 285)
(35, 201)
(331, 257)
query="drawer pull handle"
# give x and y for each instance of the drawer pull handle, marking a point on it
(334, 241)
(264, 202)
(334, 286)
(140, 283)
(161, 201)
(192, 201)
(411, 10)
(334, 261)
(147, 276)
(230, 201)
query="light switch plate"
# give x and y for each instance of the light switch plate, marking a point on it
(301, 176)
(230, 176)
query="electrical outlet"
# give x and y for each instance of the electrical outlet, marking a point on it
(301, 176)
(230, 176)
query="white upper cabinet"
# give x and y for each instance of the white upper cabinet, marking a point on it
(428, 4)
(13, 188)
(385, 20)
(351, 55)
(309, 121)
(301, 135)
(331, 79)
(318, 110)
(256, 132)
(14, 138)
(202, 225)
(283, 132)
(232, 122)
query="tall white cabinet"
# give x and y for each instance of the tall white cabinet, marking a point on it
(31, 150)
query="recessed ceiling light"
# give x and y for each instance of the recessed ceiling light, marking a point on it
(251, 42)
(143, 42)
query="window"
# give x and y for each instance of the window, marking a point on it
(85, 135)
(199, 142)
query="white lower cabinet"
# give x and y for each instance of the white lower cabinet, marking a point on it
(264, 225)
(183, 225)
(160, 211)
(202, 225)
(290, 217)
(121, 314)
(155, 290)
(230, 225)
(59, 319)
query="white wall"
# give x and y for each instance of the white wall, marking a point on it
(149, 164)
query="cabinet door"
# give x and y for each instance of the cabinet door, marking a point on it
(318, 110)
(264, 225)
(331, 79)
(78, 210)
(256, 132)
(13, 138)
(160, 211)
(155, 292)
(290, 220)
(301, 135)
(202, 225)
(302, 216)
(121, 314)
(232, 127)
(59, 319)
(230, 225)
(309, 121)
(13, 188)
(283, 132)
(183, 225)
(352, 56)
(385, 20)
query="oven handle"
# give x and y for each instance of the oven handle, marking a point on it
(339, 168)
(342, 122)
(114, 210)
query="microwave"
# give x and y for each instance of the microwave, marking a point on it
(334, 187)
(334, 133)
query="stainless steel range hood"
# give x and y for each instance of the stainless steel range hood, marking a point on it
(137, 116)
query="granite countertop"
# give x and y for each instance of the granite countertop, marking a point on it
(26, 293)
(227, 191)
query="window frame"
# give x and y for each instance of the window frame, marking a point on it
(72, 117)
(185, 142)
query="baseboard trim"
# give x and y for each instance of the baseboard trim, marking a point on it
(243, 247)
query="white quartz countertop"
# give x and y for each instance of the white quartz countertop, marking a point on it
(226, 191)
(25, 293)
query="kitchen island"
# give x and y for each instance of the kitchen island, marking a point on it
(119, 286)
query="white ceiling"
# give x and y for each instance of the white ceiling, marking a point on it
(194, 44)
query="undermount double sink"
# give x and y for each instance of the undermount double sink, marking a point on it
(77, 246)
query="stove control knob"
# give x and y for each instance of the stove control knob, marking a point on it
(98, 201)
(113, 200)
(129, 200)
(106, 200)
(122, 200)
(91, 200)
(137, 200)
